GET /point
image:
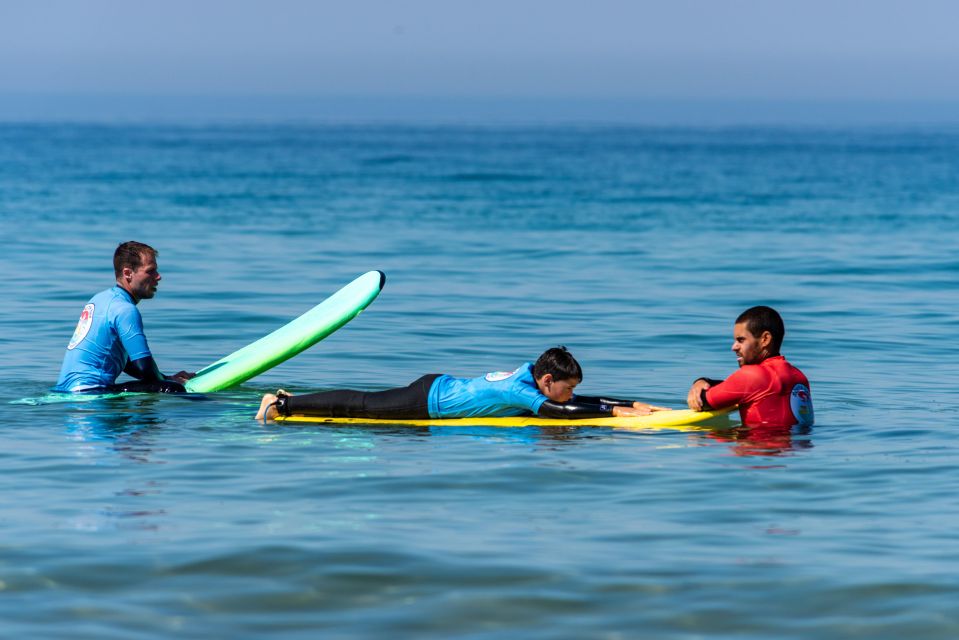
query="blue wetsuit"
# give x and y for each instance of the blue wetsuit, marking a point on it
(108, 336)
(493, 395)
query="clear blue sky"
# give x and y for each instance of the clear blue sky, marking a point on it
(595, 50)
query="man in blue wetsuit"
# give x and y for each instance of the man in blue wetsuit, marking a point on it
(543, 389)
(109, 337)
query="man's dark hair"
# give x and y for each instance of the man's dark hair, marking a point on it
(559, 362)
(130, 254)
(759, 319)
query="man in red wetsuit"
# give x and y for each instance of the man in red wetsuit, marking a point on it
(768, 390)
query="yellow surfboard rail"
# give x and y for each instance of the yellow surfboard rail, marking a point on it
(679, 419)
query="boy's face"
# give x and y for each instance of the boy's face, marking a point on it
(557, 390)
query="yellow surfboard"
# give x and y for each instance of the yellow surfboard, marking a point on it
(680, 419)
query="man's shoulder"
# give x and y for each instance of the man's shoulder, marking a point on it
(102, 296)
(112, 293)
(119, 305)
(750, 373)
(782, 366)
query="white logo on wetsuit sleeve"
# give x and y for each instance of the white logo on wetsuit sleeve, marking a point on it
(496, 376)
(801, 404)
(83, 327)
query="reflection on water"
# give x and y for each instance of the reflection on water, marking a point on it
(128, 430)
(130, 433)
(765, 440)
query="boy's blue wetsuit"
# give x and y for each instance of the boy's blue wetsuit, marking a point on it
(442, 396)
(495, 394)
(108, 337)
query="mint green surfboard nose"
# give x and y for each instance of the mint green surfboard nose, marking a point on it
(290, 339)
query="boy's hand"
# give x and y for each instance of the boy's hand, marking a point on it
(649, 407)
(638, 409)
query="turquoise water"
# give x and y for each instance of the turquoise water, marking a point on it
(160, 516)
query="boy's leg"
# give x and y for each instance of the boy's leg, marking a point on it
(409, 402)
(406, 403)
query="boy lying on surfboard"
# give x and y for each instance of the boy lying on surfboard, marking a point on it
(543, 389)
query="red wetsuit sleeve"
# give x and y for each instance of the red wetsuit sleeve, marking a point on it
(735, 389)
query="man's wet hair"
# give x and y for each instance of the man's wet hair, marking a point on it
(559, 362)
(761, 318)
(131, 254)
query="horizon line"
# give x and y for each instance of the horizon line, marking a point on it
(98, 107)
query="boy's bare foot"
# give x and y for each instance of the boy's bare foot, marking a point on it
(267, 408)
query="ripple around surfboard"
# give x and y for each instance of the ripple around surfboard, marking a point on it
(679, 419)
(270, 350)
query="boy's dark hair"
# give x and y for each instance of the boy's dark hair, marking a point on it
(130, 254)
(759, 319)
(559, 362)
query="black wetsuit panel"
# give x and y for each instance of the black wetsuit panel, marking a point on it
(404, 403)
(574, 410)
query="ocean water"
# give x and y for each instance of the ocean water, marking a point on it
(149, 517)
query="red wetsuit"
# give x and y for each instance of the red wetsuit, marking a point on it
(772, 392)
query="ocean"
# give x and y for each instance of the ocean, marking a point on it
(635, 247)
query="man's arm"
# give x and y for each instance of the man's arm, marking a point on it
(696, 398)
(142, 366)
(145, 369)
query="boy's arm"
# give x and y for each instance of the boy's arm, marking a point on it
(574, 410)
(602, 400)
(628, 405)
(578, 409)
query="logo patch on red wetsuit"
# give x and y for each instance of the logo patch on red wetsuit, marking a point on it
(801, 404)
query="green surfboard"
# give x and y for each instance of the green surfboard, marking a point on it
(290, 339)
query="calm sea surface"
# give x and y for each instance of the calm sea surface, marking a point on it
(148, 517)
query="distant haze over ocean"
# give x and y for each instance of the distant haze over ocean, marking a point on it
(468, 110)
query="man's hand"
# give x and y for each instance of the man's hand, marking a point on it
(695, 396)
(182, 376)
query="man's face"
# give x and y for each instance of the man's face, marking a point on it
(557, 390)
(749, 349)
(143, 282)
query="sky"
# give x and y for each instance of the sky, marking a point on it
(376, 56)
